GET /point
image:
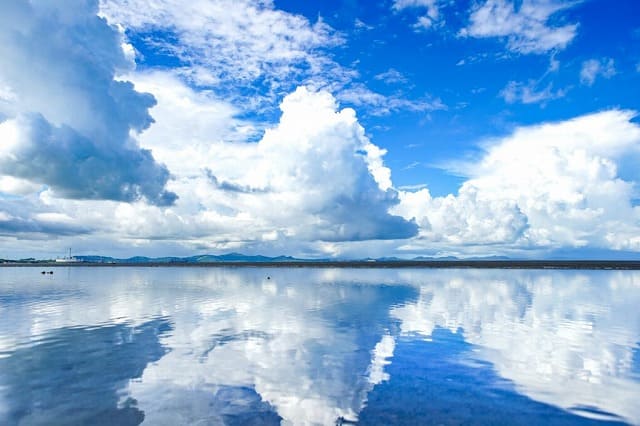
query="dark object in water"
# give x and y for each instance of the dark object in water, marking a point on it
(51, 272)
(268, 278)
(43, 272)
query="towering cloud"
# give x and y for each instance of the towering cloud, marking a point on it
(319, 159)
(313, 176)
(312, 179)
(66, 121)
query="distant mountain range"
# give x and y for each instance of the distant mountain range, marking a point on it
(205, 258)
(242, 258)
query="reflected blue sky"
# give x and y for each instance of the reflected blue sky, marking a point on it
(441, 382)
(73, 375)
(166, 346)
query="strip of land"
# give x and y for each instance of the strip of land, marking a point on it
(436, 264)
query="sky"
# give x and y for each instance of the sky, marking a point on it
(334, 129)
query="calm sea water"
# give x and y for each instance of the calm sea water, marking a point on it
(210, 346)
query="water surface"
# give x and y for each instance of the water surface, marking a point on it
(210, 346)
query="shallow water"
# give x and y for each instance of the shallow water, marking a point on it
(209, 346)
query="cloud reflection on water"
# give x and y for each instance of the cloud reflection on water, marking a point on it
(309, 345)
(303, 343)
(563, 338)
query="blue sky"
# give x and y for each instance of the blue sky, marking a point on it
(468, 74)
(337, 128)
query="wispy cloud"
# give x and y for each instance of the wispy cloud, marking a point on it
(529, 93)
(249, 52)
(379, 104)
(431, 18)
(593, 68)
(413, 145)
(525, 25)
(360, 25)
(411, 165)
(253, 50)
(392, 76)
(416, 187)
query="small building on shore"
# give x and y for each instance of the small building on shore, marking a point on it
(66, 259)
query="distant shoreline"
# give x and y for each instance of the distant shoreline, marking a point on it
(422, 264)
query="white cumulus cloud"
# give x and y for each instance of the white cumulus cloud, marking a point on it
(313, 177)
(551, 185)
(469, 218)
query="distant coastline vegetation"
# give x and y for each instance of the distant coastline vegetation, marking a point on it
(237, 259)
